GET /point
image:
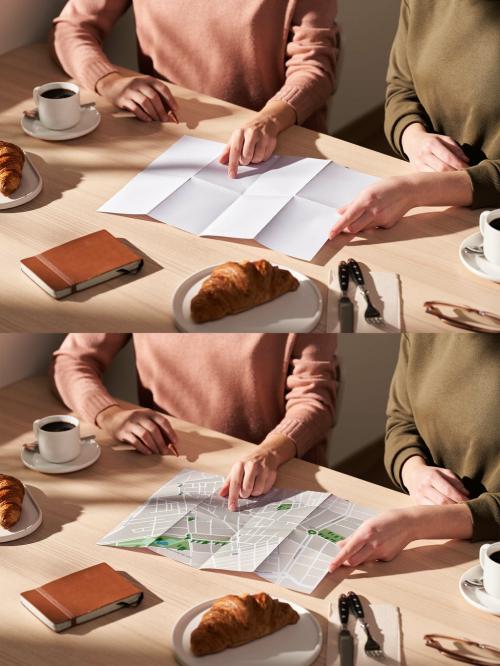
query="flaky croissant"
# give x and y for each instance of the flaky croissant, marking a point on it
(11, 500)
(233, 288)
(234, 620)
(11, 167)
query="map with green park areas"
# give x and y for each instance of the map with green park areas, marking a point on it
(286, 536)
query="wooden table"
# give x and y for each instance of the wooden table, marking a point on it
(80, 175)
(80, 508)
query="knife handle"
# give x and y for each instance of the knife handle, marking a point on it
(343, 609)
(356, 271)
(343, 276)
(356, 605)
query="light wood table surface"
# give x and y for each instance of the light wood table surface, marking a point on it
(80, 508)
(82, 174)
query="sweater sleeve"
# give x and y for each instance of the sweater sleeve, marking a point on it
(78, 368)
(311, 386)
(311, 56)
(485, 511)
(402, 105)
(78, 36)
(485, 178)
(402, 439)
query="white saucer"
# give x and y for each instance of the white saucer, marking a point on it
(477, 263)
(295, 645)
(295, 312)
(477, 596)
(30, 520)
(30, 187)
(89, 454)
(89, 120)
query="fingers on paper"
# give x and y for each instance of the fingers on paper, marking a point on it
(235, 484)
(236, 146)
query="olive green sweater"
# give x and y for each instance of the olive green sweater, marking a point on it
(444, 72)
(444, 405)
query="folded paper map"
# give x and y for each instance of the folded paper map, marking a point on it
(288, 204)
(286, 536)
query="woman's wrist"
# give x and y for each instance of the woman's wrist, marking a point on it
(453, 188)
(104, 417)
(449, 521)
(412, 134)
(410, 466)
(103, 85)
(276, 449)
(276, 116)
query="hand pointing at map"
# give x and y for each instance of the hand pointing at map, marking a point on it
(256, 474)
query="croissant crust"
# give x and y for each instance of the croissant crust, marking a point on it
(11, 500)
(234, 287)
(234, 620)
(11, 167)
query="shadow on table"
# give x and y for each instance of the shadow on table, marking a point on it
(413, 227)
(149, 267)
(56, 513)
(149, 601)
(56, 178)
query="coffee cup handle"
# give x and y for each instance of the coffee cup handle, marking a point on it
(36, 428)
(35, 95)
(483, 219)
(483, 554)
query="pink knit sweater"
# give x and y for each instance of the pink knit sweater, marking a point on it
(244, 385)
(242, 51)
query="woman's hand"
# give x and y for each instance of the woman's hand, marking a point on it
(432, 152)
(146, 97)
(146, 430)
(379, 538)
(256, 474)
(382, 204)
(432, 485)
(250, 477)
(255, 142)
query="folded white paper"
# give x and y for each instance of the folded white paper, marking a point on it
(384, 624)
(287, 203)
(384, 292)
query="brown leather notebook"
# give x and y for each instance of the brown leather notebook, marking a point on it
(81, 596)
(81, 263)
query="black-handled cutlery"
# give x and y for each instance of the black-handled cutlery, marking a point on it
(372, 315)
(372, 648)
(346, 642)
(346, 308)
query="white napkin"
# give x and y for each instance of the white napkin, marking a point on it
(383, 621)
(384, 291)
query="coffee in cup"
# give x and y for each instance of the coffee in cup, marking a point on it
(489, 557)
(58, 105)
(489, 224)
(58, 438)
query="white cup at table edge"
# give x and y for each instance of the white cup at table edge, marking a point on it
(58, 447)
(491, 569)
(491, 236)
(58, 114)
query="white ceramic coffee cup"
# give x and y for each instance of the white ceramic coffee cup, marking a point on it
(58, 114)
(61, 446)
(491, 569)
(491, 236)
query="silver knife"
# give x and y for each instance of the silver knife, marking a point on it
(346, 308)
(346, 642)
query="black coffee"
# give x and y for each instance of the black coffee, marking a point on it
(57, 93)
(495, 557)
(57, 426)
(495, 224)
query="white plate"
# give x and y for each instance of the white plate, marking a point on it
(477, 596)
(477, 263)
(30, 187)
(30, 520)
(295, 645)
(295, 312)
(89, 454)
(89, 120)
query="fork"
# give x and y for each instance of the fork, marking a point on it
(372, 315)
(372, 648)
